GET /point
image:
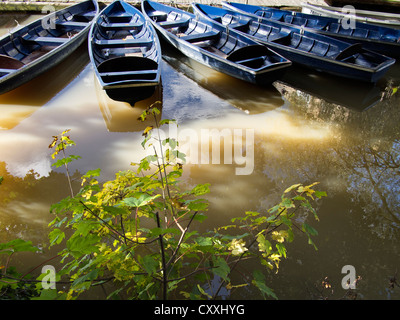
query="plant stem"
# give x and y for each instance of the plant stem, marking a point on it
(164, 266)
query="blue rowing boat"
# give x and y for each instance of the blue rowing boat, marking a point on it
(216, 46)
(303, 47)
(381, 39)
(125, 52)
(35, 48)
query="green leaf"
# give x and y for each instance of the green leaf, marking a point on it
(141, 201)
(292, 187)
(263, 244)
(1, 179)
(204, 241)
(155, 232)
(166, 121)
(17, 245)
(92, 275)
(320, 194)
(259, 282)
(287, 203)
(85, 226)
(281, 249)
(92, 173)
(309, 230)
(201, 189)
(56, 236)
(196, 205)
(202, 291)
(221, 269)
(79, 245)
(172, 143)
(150, 264)
(64, 161)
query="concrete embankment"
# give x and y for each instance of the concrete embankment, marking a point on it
(41, 5)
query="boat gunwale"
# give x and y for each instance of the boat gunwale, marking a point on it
(119, 84)
(193, 47)
(380, 67)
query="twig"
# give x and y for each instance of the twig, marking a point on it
(164, 268)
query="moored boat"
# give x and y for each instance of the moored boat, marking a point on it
(375, 17)
(303, 47)
(373, 37)
(126, 54)
(37, 47)
(215, 46)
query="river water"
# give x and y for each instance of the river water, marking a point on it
(308, 127)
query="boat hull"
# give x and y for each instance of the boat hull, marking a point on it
(372, 37)
(224, 63)
(125, 52)
(305, 48)
(45, 62)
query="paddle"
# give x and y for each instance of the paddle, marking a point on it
(349, 51)
(7, 62)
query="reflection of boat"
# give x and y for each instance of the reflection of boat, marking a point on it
(376, 38)
(303, 47)
(353, 95)
(35, 48)
(374, 17)
(245, 96)
(23, 101)
(125, 52)
(216, 47)
(120, 116)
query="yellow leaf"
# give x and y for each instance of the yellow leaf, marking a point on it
(146, 131)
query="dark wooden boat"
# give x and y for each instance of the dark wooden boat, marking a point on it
(215, 46)
(387, 19)
(373, 37)
(35, 48)
(126, 54)
(306, 48)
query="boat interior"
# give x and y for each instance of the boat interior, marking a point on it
(216, 40)
(123, 47)
(328, 25)
(33, 41)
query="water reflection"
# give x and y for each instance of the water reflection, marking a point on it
(351, 94)
(23, 101)
(122, 116)
(245, 96)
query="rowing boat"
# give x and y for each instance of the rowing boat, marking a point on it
(303, 47)
(373, 37)
(215, 46)
(368, 16)
(37, 47)
(126, 54)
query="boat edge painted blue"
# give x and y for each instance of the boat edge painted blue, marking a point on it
(339, 68)
(47, 61)
(129, 91)
(391, 49)
(265, 77)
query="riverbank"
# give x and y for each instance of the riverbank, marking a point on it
(38, 5)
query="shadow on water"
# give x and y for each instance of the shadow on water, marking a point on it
(250, 98)
(23, 101)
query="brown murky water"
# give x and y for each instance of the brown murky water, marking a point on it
(307, 128)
